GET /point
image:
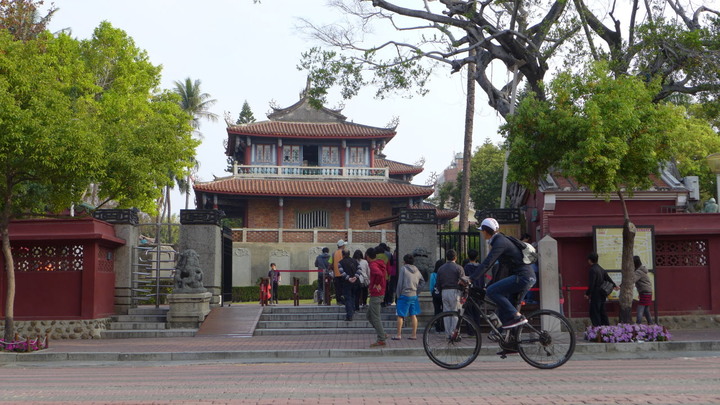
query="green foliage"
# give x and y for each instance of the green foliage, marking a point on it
(246, 115)
(146, 137)
(486, 168)
(48, 149)
(252, 293)
(605, 132)
(326, 69)
(21, 18)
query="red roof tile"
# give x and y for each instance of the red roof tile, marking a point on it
(397, 167)
(309, 188)
(311, 130)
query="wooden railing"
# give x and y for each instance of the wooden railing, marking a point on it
(315, 172)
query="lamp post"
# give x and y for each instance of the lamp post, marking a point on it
(714, 163)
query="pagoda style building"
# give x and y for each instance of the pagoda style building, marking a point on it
(303, 180)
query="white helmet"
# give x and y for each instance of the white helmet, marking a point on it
(491, 223)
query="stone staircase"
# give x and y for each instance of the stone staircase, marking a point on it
(314, 319)
(143, 322)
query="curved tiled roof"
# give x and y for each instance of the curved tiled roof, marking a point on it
(397, 167)
(310, 130)
(310, 188)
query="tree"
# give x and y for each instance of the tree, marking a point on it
(486, 176)
(607, 134)
(671, 43)
(195, 103)
(48, 150)
(245, 117)
(22, 20)
(77, 113)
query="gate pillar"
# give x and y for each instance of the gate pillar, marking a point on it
(417, 229)
(125, 222)
(549, 274)
(201, 232)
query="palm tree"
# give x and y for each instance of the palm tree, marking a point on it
(196, 103)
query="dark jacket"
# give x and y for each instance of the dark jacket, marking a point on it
(448, 276)
(322, 262)
(504, 251)
(596, 277)
(348, 267)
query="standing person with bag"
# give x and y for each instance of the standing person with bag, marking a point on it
(275, 278)
(378, 279)
(348, 273)
(596, 295)
(410, 280)
(363, 280)
(322, 262)
(644, 288)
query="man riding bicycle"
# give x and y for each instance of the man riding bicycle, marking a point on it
(504, 292)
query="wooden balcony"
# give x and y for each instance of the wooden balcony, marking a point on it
(311, 172)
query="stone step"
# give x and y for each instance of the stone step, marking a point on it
(319, 317)
(139, 318)
(137, 326)
(148, 310)
(326, 325)
(340, 331)
(164, 333)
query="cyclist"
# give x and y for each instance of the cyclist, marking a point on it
(504, 292)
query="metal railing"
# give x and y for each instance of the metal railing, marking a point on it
(153, 267)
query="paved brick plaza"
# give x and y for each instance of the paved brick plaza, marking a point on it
(686, 380)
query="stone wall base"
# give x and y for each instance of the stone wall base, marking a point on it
(61, 329)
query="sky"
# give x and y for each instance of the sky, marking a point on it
(242, 51)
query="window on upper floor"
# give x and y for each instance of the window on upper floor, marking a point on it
(292, 154)
(312, 219)
(330, 156)
(357, 156)
(264, 154)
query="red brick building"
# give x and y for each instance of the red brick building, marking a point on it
(309, 176)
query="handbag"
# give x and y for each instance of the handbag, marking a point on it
(607, 287)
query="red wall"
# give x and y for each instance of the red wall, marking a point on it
(54, 285)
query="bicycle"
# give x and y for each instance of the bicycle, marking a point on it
(546, 341)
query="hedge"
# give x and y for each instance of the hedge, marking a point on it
(252, 293)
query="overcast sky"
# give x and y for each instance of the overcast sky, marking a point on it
(244, 51)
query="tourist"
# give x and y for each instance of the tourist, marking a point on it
(348, 267)
(378, 279)
(322, 263)
(275, 278)
(644, 288)
(364, 279)
(594, 293)
(408, 306)
(337, 280)
(448, 279)
(470, 268)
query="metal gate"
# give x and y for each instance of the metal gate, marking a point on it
(461, 242)
(226, 279)
(153, 266)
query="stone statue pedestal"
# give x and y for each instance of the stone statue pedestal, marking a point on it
(188, 310)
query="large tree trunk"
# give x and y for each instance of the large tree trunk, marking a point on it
(628, 266)
(467, 148)
(9, 335)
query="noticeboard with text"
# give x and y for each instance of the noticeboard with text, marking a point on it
(608, 245)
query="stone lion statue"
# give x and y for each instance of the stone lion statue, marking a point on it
(188, 274)
(423, 261)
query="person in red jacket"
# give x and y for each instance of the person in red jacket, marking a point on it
(378, 279)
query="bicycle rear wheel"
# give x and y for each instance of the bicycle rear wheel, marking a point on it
(449, 347)
(547, 340)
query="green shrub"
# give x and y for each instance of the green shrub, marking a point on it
(252, 293)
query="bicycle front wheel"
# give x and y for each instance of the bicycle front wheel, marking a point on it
(450, 341)
(547, 340)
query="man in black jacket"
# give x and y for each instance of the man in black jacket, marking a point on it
(597, 297)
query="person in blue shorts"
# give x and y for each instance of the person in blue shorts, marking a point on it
(410, 281)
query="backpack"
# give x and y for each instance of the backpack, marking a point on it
(529, 253)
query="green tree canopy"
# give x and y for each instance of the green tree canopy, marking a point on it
(486, 176)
